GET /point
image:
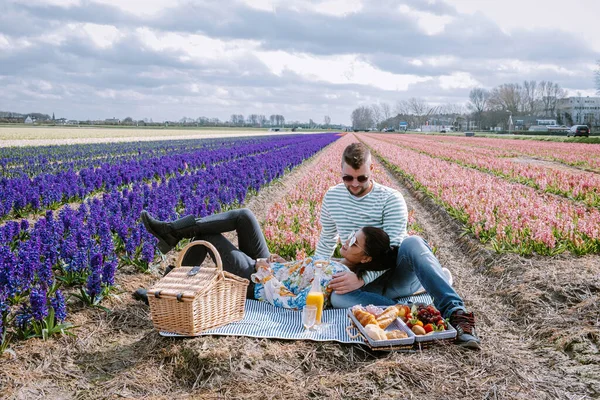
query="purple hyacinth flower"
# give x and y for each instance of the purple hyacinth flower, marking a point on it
(94, 287)
(39, 303)
(108, 270)
(59, 305)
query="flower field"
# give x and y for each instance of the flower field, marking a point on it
(72, 251)
(80, 246)
(511, 216)
(570, 183)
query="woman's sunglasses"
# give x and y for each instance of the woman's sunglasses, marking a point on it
(350, 178)
(352, 242)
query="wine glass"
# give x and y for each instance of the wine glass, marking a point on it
(309, 317)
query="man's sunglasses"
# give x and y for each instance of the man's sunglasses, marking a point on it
(350, 178)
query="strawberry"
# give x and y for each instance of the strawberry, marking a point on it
(429, 328)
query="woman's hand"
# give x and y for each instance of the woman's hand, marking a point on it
(276, 258)
(261, 262)
(345, 282)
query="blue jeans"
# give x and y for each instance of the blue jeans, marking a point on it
(415, 266)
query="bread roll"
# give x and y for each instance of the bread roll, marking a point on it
(387, 317)
(375, 332)
(396, 334)
(365, 318)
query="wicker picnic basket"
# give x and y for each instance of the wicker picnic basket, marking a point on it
(190, 300)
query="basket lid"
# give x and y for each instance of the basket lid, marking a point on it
(185, 283)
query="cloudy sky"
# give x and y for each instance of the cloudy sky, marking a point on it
(159, 59)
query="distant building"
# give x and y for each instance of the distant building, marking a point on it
(524, 122)
(579, 110)
(28, 120)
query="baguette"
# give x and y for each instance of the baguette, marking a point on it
(387, 317)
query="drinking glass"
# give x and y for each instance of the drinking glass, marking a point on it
(309, 317)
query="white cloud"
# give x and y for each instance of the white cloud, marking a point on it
(528, 67)
(139, 7)
(4, 43)
(57, 3)
(578, 17)
(429, 23)
(102, 35)
(341, 70)
(458, 80)
(335, 8)
(338, 8)
(195, 46)
(11, 43)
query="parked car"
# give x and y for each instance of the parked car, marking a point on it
(579, 130)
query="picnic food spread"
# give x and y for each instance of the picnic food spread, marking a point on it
(421, 320)
(375, 325)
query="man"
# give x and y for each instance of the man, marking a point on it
(358, 202)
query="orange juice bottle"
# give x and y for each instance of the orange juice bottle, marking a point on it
(315, 296)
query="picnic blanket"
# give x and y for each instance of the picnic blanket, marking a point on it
(263, 320)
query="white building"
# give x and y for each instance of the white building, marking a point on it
(579, 110)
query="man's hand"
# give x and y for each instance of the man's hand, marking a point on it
(345, 282)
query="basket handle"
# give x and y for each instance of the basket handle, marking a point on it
(206, 244)
(349, 327)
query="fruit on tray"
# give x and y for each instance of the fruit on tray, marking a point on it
(418, 330)
(427, 318)
(403, 311)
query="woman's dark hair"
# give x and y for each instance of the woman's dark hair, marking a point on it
(377, 245)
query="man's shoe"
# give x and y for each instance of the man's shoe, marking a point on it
(141, 295)
(169, 233)
(464, 323)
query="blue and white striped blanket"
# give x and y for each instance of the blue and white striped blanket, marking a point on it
(262, 320)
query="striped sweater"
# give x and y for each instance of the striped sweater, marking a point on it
(342, 213)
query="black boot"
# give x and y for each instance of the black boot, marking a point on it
(142, 294)
(170, 233)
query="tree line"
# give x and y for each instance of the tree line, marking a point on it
(488, 108)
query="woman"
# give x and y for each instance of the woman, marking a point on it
(281, 283)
